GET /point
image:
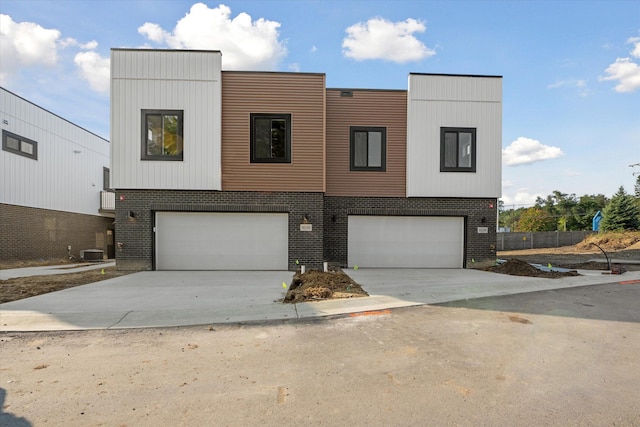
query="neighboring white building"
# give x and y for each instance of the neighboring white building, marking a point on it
(54, 185)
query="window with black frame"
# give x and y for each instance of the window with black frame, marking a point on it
(368, 148)
(457, 149)
(162, 135)
(19, 145)
(270, 138)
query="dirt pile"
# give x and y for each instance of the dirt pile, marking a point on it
(315, 285)
(516, 267)
(612, 241)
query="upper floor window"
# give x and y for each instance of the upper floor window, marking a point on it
(19, 145)
(270, 138)
(368, 148)
(106, 179)
(162, 134)
(457, 149)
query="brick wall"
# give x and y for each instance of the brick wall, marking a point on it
(479, 248)
(328, 215)
(136, 234)
(34, 234)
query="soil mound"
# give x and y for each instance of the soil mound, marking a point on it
(612, 241)
(516, 267)
(316, 285)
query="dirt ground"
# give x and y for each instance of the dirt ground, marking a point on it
(574, 257)
(25, 287)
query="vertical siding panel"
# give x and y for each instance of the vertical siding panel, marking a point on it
(166, 80)
(454, 101)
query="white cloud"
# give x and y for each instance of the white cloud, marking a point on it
(153, 32)
(94, 69)
(625, 71)
(245, 44)
(579, 84)
(520, 198)
(636, 46)
(295, 67)
(381, 39)
(25, 44)
(73, 42)
(524, 151)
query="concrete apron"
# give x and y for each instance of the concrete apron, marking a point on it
(183, 298)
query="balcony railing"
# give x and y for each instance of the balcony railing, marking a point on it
(107, 201)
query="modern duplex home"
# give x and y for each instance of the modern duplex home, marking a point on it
(54, 189)
(233, 170)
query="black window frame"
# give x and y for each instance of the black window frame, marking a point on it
(21, 139)
(287, 144)
(457, 130)
(352, 151)
(145, 132)
(106, 179)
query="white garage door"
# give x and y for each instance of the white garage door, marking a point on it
(405, 241)
(221, 241)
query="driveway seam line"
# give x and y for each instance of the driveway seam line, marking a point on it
(120, 320)
(295, 307)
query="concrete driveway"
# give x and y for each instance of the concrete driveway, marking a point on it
(181, 298)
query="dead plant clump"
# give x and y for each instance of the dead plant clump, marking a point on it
(612, 241)
(314, 285)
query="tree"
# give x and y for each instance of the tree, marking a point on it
(622, 213)
(587, 207)
(638, 191)
(536, 219)
(509, 218)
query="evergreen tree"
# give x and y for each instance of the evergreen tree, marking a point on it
(638, 191)
(622, 213)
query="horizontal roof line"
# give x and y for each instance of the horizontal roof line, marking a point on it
(455, 75)
(162, 50)
(60, 117)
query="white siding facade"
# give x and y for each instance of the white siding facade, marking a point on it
(166, 80)
(68, 172)
(436, 101)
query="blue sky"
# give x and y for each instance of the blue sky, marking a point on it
(571, 89)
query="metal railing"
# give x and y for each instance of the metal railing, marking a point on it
(107, 201)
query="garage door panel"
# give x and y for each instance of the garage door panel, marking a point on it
(405, 242)
(221, 241)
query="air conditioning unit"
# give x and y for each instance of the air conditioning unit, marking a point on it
(92, 254)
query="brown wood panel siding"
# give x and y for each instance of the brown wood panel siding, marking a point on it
(366, 108)
(299, 94)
